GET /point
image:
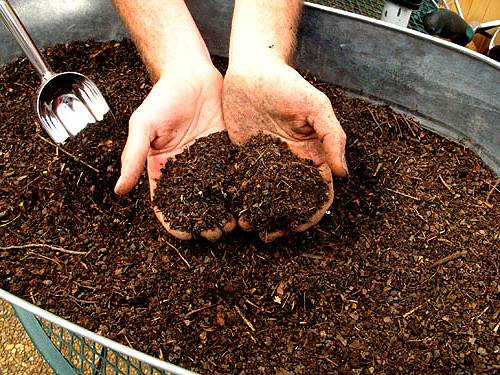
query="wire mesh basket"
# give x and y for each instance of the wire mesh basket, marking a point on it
(70, 349)
(373, 9)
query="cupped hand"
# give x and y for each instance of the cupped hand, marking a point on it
(184, 104)
(272, 98)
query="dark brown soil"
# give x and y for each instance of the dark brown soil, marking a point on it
(193, 190)
(401, 277)
(276, 189)
(262, 180)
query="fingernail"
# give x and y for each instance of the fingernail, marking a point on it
(344, 165)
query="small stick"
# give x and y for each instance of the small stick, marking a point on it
(178, 253)
(76, 158)
(403, 194)
(198, 310)
(247, 322)
(374, 119)
(445, 184)
(407, 314)
(41, 245)
(486, 201)
(10, 221)
(477, 317)
(409, 127)
(40, 256)
(251, 303)
(312, 256)
(446, 259)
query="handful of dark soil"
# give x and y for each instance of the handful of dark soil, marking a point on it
(192, 190)
(261, 180)
(277, 190)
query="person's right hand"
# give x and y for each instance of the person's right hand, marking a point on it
(272, 98)
(184, 104)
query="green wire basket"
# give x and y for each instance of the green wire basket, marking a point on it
(373, 9)
(69, 349)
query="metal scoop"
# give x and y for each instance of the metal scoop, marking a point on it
(66, 102)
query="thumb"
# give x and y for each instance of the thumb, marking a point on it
(331, 135)
(134, 154)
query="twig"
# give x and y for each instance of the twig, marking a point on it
(247, 322)
(9, 221)
(41, 245)
(480, 315)
(178, 253)
(328, 360)
(374, 119)
(407, 314)
(312, 256)
(403, 194)
(409, 127)
(379, 165)
(446, 259)
(486, 201)
(40, 256)
(445, 184)
(198, 310)
(76, 158)
(251, 303)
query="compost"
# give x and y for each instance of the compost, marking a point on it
(261, 181)
(400, 276)
(193, 190)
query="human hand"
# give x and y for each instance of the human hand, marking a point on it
(184, 104)
(272, 98)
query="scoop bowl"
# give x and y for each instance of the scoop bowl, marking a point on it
(67, 103)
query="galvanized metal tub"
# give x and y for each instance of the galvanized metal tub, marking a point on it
(451, 90)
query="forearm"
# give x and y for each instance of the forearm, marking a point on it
(263, 29)
(164, 32)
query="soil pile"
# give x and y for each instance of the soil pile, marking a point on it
(400, 277)
(192, 191)
(276, 189)
(262, 180)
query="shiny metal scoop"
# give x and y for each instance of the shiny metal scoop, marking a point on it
(67, 102)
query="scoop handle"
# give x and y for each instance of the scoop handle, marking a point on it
(16, 28)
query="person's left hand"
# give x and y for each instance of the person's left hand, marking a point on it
(272, 98)
(185, 104)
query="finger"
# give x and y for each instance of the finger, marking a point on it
(134, 155)
(326, 173)
(272, 236)
(331, 134)
(230, 225)
(181, 235)
(244, 224)
(211, 234)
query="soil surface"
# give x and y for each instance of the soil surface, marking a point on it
(401, 276)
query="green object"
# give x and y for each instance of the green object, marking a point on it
(469, 32)
(49, 352)
(373, 9)
(70, 354)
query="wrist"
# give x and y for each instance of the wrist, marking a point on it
(247, 58)
(192, 70)
(187, 61)
(263, 31)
